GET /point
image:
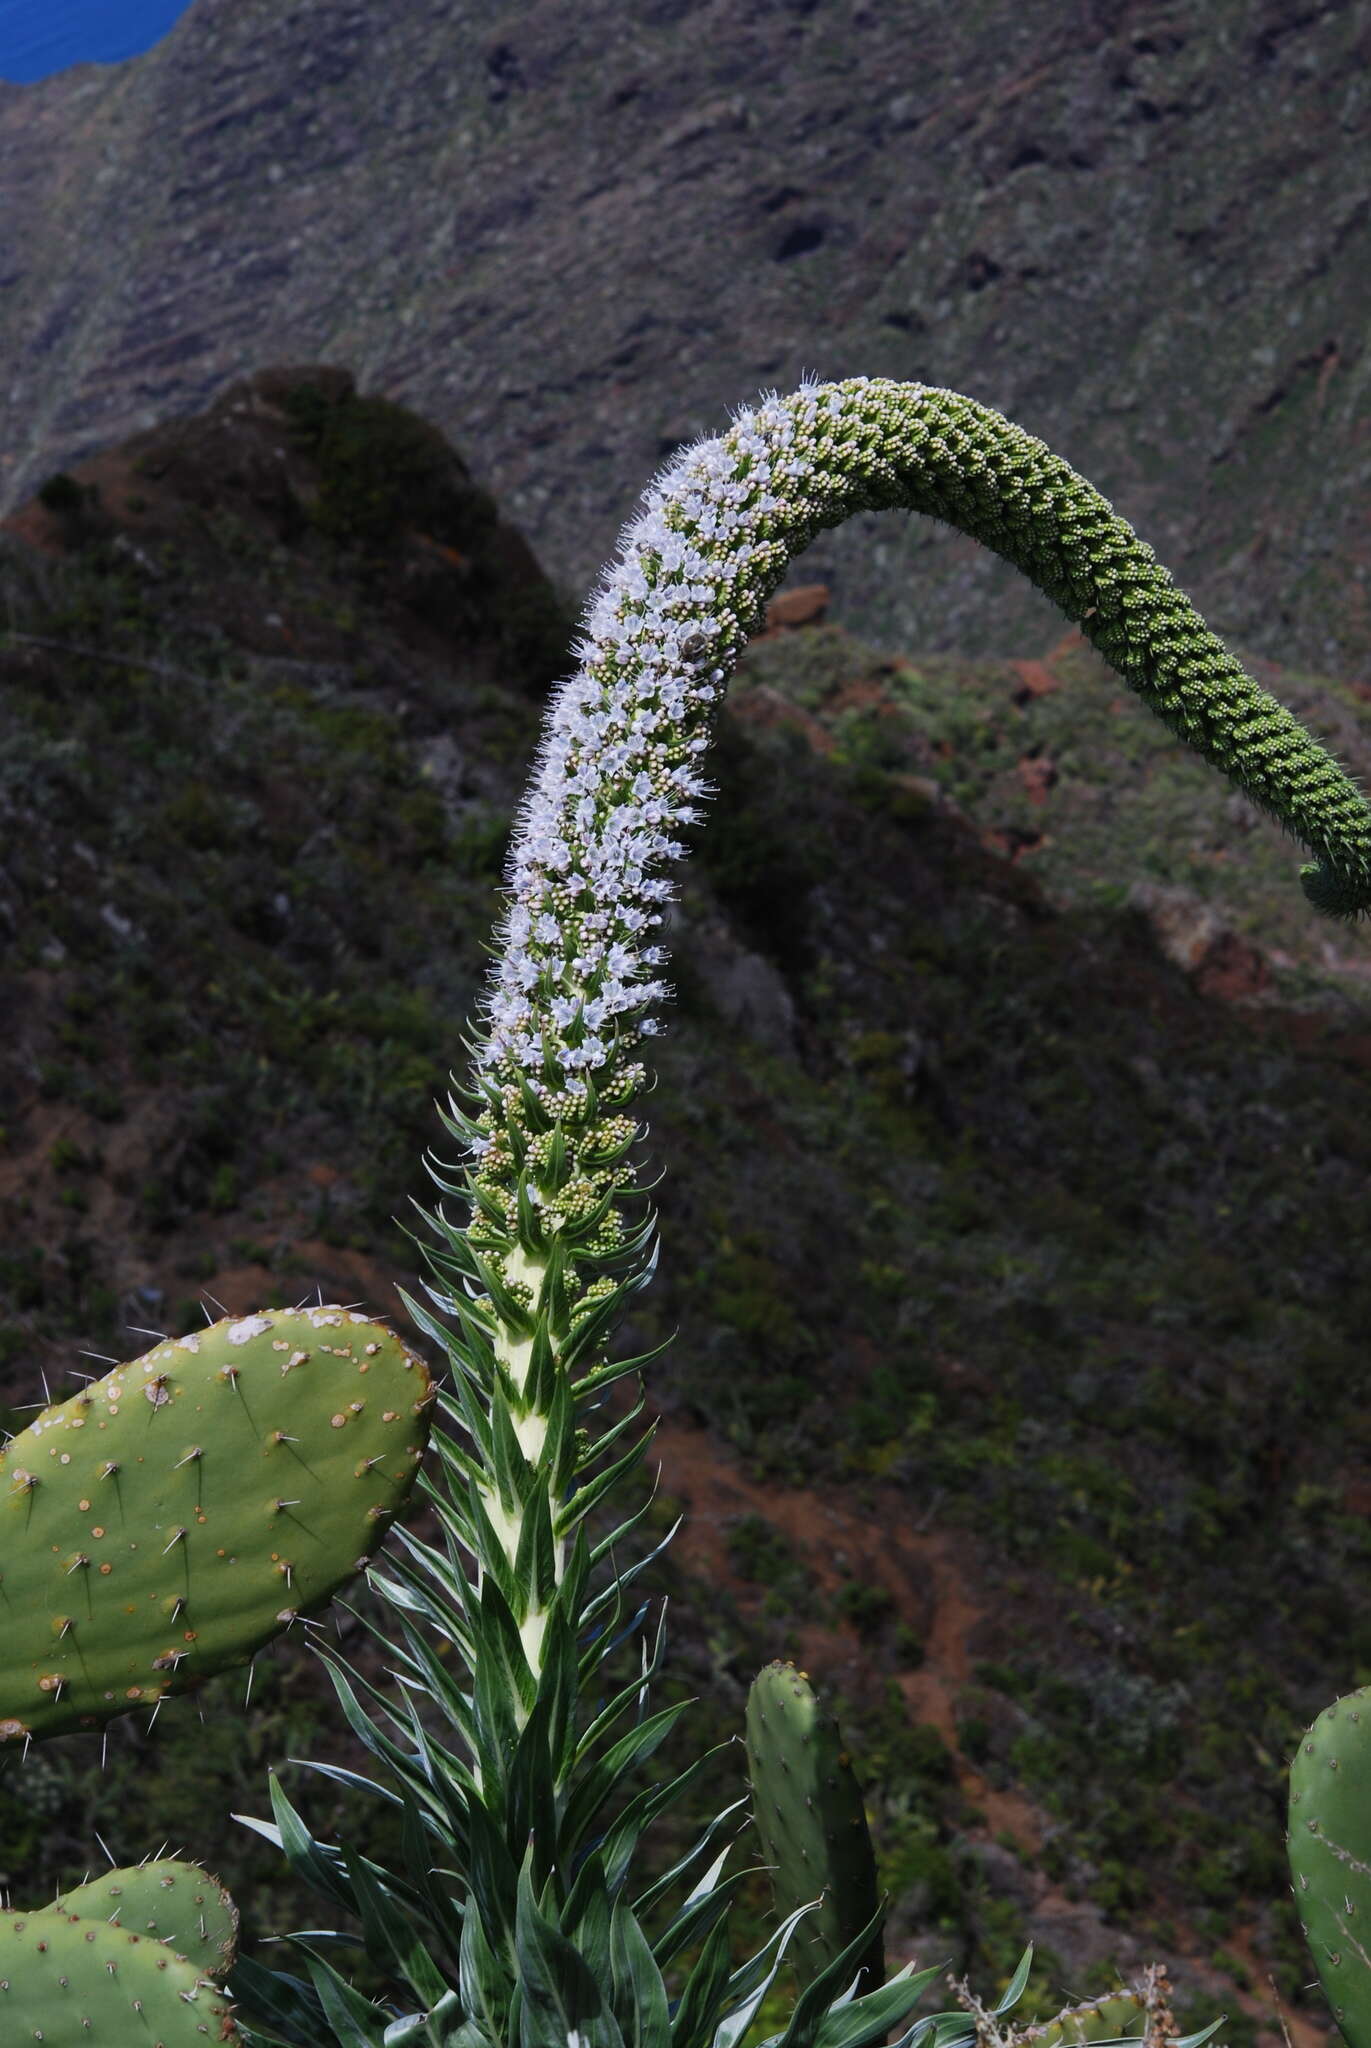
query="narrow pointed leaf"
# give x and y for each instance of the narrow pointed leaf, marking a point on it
(639, 1993)
(355, 2021)
(871, 2018)
(390, 1937)
(560, 1997)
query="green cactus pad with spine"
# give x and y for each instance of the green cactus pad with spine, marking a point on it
(1330, 1856)
(1115, 2016)
(809, 1812)
(170, 1519)
(167, 1900)
(69, 1982)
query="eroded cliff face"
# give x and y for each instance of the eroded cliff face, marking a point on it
(573, 237)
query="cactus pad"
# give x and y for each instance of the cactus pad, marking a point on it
(68, 1982)
(170, 1519)
(809, 1813)
(1115, 2016)
(167, 1900)
(1330, 1856)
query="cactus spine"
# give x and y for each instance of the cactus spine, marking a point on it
(1330, 1856)
(809, 1812)
(170, 1519)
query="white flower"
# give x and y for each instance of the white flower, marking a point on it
(618, 766)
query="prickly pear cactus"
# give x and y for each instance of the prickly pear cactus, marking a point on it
(167, 1900)
(1330, 1856)
(809, 1813)
(1138, 2012)
(1117, 2016)
(68, 1982)
(170, 1519)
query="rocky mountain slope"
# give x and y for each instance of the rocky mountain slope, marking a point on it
(575, 236)
(1014, 1118)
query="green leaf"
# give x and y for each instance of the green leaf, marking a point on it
(871, 2018)
(600, 1780)
(444, 1913)
(409, 2032)
(311, 1860)
(514, 1476)
(646, 1900)
(532, 1233)
(585, 1920)
(492, 1875)
(538, 1118)
(355, 2021)
(389, 1935)
(459, 1542)
(553, 1305)
(752, 1981)
(560, 1453)
(345, 1777)
(588, 1332)
(585, 1913)
(639, 1995)
(468, 2036)
(554, 1171)
(452, 1454)
(815, 2000)
(635, 1689)
(607, 1543)
(1014, 1990)
(560, 1997)
(605, 1375)
(491, 1549)
(518, 1321)
(269, 1999)
(535, 1563)
(425, 1576)
(601, 1443)
(561, 1671)
(700, 1912)
(502, 1677)
(470, 1413)
(594, 1490)
(702, 1992)
(402, 1767)
(427, 1669)
(940, 2030)
(530, 1801)
(640, 1813)
(486, 1979)
(604, 1642)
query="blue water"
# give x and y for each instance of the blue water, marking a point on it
(38, 37)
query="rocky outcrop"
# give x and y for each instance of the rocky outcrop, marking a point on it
(295, 458)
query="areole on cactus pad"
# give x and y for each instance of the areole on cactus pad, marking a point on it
(172, 1518)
